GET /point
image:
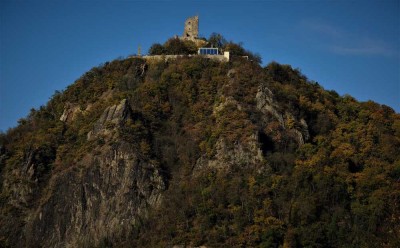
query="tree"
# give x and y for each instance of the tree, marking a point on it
(238, 50)
(217, 40)
(157, 49)
(177, 47)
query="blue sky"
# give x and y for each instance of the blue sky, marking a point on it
(352, 47)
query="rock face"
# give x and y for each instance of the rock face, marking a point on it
(113, 116)
(106, 195)
(70, 112)
(267, 105)
(241, 154)
(100, 196)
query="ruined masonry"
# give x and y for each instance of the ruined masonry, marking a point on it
(191, 31)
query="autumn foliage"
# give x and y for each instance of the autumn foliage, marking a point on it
(341, 188)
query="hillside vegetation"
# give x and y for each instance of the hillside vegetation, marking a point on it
(197, 152)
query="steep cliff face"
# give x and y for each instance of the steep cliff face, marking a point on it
(298, 128)
(195, 152)
(112, 118)
(103, 197)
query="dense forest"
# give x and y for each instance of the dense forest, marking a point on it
(193, 152)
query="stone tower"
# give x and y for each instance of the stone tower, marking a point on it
(191, 31)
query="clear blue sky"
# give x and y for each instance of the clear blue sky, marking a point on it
(352, 47)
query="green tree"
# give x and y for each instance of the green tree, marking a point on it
(157, 49)
(217, 40)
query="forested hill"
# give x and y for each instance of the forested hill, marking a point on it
(193, 152)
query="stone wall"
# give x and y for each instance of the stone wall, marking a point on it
(191, 31)
(222, 58)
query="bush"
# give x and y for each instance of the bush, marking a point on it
(174, 46)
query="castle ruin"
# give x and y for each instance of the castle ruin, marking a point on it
(191, 31)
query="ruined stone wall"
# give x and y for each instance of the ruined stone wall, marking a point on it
(191, 31)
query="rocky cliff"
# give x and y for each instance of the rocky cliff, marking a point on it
(100, 199)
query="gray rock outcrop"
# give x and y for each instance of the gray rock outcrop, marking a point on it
(267, 105)
(70, 112)
(104, 196)
(112, 117)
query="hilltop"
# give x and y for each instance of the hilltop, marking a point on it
(191, 152)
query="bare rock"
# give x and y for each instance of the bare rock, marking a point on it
(112, 117)
(267, 105)
(70, 112)
(240, 154)
(231, 73)
(106, 195)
